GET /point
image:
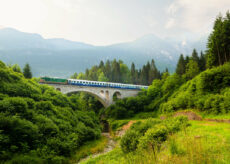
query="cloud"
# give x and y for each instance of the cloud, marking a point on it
(170, 23)
(196, 15)
(104, 22)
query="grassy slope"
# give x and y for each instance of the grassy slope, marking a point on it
(202, 142)
(89, 148)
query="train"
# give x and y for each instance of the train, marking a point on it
(52, 80)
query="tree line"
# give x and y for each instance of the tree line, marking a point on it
(117, 71)
(217, 53)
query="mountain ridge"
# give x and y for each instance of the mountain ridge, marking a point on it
(62, 57)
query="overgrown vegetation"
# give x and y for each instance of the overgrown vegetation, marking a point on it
(39, 124)
(201, 142)
(150, 134)
(90, 148)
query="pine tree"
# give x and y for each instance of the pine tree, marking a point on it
(166, 70)
(153, 73)
(101, 65)
(27, 72)
(187, 58)
(180, 69)
(202, 62)
(133, 74)
(195, 56)
(108, 70)
(116, 74)
(217, 43)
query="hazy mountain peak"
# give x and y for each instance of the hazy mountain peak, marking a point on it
(61, 57)
(148, 37)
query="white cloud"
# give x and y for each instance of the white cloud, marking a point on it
(197, 15)
(184, 43)
(170, 23)
(103, 22)
(172, 9)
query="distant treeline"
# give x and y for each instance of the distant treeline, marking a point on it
(117, 71)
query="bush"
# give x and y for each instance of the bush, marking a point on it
(130, 141)
(13, 105)
(26, 159)
(153, 137)
(22, 135)
(142, 127)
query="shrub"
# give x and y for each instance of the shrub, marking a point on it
(153, 137)
(13, 105)
(26, 159)
(130, 141)
(142, 127)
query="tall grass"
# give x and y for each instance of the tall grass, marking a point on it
(202, 142)
(89, 148)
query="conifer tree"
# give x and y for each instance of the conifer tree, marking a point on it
(133, 73)
(101, 65)
(195, 56)
(180, 69)
(27, 72)
(202, 62)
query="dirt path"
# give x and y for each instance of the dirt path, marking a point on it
(111, 143)
(194, 116)
(124, 128)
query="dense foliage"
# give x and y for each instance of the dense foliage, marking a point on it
(151, 133)
(209, 91)
(39, 124)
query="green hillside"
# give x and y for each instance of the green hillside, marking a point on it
(39, 124)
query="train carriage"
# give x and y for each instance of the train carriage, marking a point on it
(90, 83)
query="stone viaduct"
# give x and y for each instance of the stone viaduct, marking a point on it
(103, 94)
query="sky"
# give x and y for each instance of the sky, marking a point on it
(104, 22)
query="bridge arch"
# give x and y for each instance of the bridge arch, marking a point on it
(99, 98)
(103, 94)
(116, 95)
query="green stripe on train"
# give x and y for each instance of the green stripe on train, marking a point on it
(48, 79)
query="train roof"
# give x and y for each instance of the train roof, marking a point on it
(95, 81)
(106, 82)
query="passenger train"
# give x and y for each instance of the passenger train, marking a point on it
(90, 83)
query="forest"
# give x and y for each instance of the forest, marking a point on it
(41, 125)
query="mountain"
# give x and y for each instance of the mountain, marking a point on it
(60, 57)
(11, 39)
